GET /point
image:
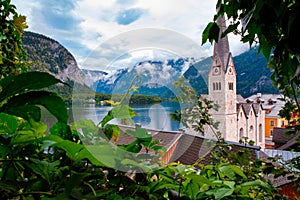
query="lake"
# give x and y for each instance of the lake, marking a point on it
(155, 116)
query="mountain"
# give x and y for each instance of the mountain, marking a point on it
(48, 55)
(157, 77)
(154, 78)
(253, 75)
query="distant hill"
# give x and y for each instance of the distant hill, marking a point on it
(253, 76)
(48, 55)
(156, 77)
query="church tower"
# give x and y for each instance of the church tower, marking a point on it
(222, 86)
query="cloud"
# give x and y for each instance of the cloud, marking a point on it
(125, 17)
(86, 26)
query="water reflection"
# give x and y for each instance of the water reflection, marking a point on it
(150, 116)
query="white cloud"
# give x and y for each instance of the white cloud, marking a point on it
(94, 23)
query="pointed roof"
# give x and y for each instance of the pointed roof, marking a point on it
(221, 48)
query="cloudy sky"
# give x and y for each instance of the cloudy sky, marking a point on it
(123, 29)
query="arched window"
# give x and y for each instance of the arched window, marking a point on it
(241, 133)
(214, 86)
(250, 132)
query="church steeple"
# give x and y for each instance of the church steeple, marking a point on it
(222, 85)
(221, 48)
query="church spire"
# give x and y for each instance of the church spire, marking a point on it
(221, 48)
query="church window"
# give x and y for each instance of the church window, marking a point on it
(250, 131)
(241, 133)
(260, 136)
(217, 86)
(230, 86)
(272, 123)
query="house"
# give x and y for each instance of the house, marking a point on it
(284, 141)
(272, 104)
(188, 149)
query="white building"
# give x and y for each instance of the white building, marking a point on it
(237, 117)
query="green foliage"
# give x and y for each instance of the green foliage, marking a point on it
(196, 114)
(19, 96)
(12, 26)
(273, 27)
(81, 161)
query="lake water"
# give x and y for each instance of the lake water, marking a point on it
(155, 116)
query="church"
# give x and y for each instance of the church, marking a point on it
(237, 118)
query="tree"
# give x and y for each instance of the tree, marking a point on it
(12, 26)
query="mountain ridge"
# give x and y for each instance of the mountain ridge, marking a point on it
(46, 54)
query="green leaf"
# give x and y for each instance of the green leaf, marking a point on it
(105, 154)
(109, 116)
(53, 103)
(26, 112)
(211, 32)
(134, 147)
(135, 164)
(227, 171)
(112, 131)
(123, 112)
(36, 131)
(72, 149)
(8, 124)
(257, 183)
(223, 192)
(86, 125)
(140, 133)
(44, 168)
(238, 171)
(200, 179)
(85, 154)
(13, 85)
(231, 28)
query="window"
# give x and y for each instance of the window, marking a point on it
(260, 132)
(271, 123)
(241, 133)
(217, 86)
(230, 86)
(250, 130)
(271, 132)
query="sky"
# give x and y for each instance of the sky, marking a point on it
(118, 32)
